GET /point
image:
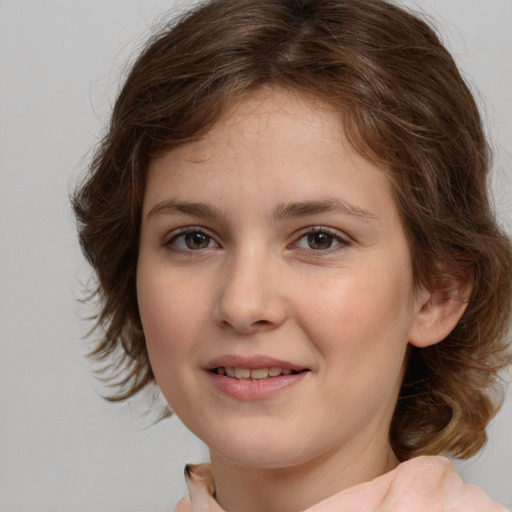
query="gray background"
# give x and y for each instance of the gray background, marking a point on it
(61, 447)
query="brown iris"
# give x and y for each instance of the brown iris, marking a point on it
(320, 240)
(197, 240)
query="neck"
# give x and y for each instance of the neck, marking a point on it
(292, 489)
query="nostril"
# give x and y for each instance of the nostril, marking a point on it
(247, 328)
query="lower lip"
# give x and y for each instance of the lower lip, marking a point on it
(248, 389)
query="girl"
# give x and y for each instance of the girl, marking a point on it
(292, 234)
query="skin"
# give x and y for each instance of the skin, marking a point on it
(423, 484)
(261, 284)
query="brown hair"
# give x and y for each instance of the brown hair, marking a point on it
(403, 104)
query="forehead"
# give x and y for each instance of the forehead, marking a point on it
(277, 146)
(278, 122)
(263, 117)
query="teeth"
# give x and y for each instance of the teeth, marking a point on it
(242, 373)
(261, 373)
(256, 374)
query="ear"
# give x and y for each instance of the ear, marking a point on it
(439, 311)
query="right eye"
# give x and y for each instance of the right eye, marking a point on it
(191, 240)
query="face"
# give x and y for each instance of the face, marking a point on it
(275, 286)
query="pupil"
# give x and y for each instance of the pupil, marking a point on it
(320, 240)
(196, 240)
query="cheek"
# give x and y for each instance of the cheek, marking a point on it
(168, 325)
(360, 317)
(156, 309)
(169, 300)
(167, 318)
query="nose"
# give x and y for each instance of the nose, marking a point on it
(250, 297)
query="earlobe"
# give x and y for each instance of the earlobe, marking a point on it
(439, 311)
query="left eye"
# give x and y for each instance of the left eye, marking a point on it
(192, 241)
(320, 240)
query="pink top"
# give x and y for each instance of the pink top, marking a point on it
(421, 484)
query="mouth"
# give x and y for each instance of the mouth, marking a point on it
(254, 373)
(254, 377)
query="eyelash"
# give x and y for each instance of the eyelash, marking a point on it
(333, 237)
(189, 231)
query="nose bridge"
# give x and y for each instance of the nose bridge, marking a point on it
(248, 298)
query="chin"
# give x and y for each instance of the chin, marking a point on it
(262, 452)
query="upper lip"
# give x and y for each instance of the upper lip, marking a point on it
(251, 362)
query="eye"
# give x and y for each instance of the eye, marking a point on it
(191, 240)
(320, 239)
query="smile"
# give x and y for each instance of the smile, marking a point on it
(255, 377)
(253, 374)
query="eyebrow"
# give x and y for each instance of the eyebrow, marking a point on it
(305, 208)
(281, 212)
(184, 207)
